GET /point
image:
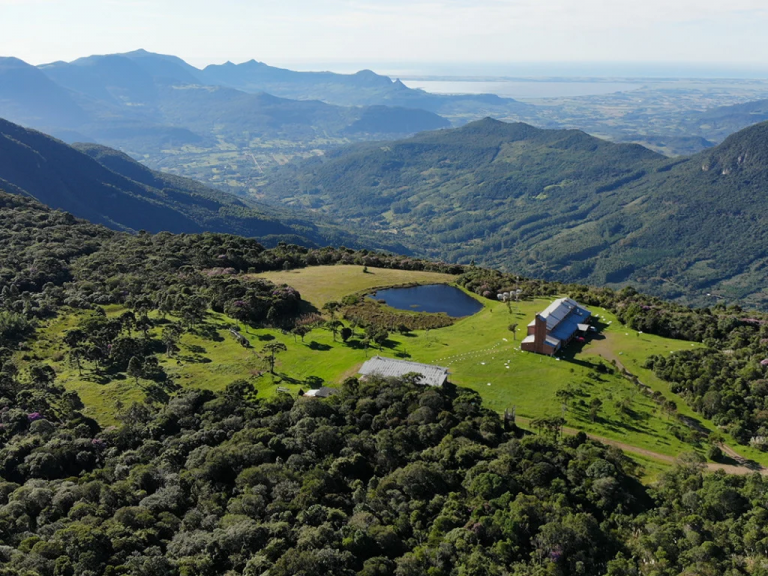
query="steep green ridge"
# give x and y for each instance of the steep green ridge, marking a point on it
(558, 204)
(108, 187)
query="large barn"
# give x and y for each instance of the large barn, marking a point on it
(553, 328)
(431, 375)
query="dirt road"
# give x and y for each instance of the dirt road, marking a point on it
(741, 469)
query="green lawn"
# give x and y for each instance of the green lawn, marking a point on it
(480, 351)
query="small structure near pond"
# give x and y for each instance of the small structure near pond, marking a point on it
(431, 375)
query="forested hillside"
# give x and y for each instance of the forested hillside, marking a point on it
(558, 204)
(108, 187)
(385, 478)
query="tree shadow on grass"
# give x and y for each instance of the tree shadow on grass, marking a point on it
(280, 377)
(693, 423)
(193, 359)
(318, 347)
(208, 332)
(100, 378)
(617, 426)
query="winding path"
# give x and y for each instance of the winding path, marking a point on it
(711, 466)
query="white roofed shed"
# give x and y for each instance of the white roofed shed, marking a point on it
(431, 375)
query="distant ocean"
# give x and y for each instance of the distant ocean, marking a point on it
(521, 88)
(525, 70)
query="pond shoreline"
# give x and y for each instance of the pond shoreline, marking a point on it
(428, 298)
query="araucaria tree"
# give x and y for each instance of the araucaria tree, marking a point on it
(270, 351)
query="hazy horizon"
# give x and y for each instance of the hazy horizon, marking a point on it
(451, 35)
(496, 70)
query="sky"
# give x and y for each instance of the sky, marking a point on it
(446, 34)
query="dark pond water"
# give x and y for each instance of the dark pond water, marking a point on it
(430, 298)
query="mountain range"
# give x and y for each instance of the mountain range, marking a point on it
(108, 187)
(557, 204)
(363, 88)
(148, 102)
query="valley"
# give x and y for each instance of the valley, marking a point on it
(557, 204)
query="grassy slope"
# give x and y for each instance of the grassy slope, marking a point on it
(479, 350)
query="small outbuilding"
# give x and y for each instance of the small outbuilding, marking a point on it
(431, 375)
(323, 392)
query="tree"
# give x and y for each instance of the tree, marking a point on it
(72, 401)
(594, 408)
(380, 338)
(550, 424)
(346, 333)
(75, 337)
(669, 408)
(170, 336)
(241, 390)
(334, 326)
(331, 307)
(144, 324)
(565, 395)
(314, 382)
(76, 355)
(42, 375)
(135, 368)
(301, 331)
(270, 351)
(127, 321)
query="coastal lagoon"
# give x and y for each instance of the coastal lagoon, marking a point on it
(522, 88)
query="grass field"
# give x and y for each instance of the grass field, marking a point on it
(480, 351)
(320, 284)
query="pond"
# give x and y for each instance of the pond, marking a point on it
(430, 298)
